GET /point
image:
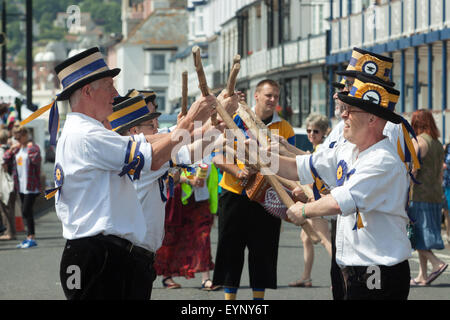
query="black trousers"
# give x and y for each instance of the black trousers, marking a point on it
(337, 282)
(92, 269)
(28, 200)
(393, 285)
(246, 224)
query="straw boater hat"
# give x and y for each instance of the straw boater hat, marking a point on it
(373, 97)
(374, 66)
(82, 69)
(73, 74)
(338, 85)
(130, 113)
(148, 95)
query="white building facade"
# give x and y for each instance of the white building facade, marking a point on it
(415, 33)
(284, 40)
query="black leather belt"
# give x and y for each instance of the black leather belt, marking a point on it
(126, 244)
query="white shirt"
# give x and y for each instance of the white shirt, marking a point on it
(378, 189)
(334, 138)
(22, 170)
(394, 133)
(149, 195)
(93, 198)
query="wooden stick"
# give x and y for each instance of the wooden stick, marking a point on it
(184, 93)
(231, 84)
(276, 185)
(202, 78)
(236, 59)
(290, 184)
(261, 133)
(244, 107)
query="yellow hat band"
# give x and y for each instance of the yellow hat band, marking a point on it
(370, 65)
(374, 93)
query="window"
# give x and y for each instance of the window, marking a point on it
(286, 24)
(291, 102)
(305, 104)
(365, 4)
(317, 19)
(161, 100)
(243, 33)
(273, 23)
(200, 28)
(158, 62)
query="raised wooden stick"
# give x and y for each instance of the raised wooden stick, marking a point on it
(202, 78)
(244, 108)
(231, 84)
(184, 93)
(261, 133)
(276, 185)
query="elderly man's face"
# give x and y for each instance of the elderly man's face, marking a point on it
(103, 97)
(355, 123)
(337, 103)
(147, 127)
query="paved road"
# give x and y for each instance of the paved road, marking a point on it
(34, 273)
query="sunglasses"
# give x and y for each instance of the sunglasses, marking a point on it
(313, 131)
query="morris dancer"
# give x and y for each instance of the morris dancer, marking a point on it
(132, 117)
(101, 216)
(369, 195)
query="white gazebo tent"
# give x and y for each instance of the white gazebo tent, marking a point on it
(7, 93)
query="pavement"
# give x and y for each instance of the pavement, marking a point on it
(33, 274)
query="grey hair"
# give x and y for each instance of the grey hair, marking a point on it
(319, 120)
(75, 96)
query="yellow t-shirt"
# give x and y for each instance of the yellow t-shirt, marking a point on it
(278, 126)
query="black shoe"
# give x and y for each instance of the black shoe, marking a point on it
(2, 229)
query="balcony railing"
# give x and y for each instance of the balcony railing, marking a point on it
(390, 21)
(301, 51)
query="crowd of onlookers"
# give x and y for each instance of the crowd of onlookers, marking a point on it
(20, 177)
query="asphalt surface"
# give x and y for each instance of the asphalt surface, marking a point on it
(33, 274)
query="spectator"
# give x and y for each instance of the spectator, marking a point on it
(316, 128)
(426, 200)
(186, 249)
(7, 195)
(25, 159)
(446, 186)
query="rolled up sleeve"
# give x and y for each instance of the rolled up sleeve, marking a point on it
(304, 169)
(344, 199)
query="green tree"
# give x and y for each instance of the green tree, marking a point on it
(106, 14)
